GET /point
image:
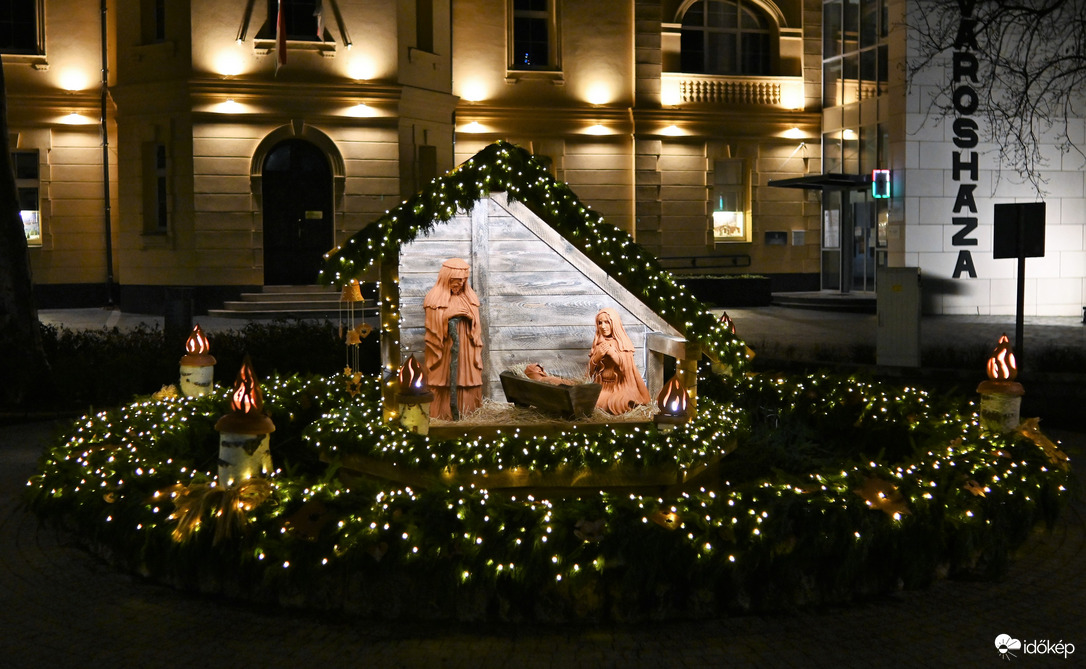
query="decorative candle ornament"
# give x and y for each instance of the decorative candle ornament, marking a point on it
(244, 432)
(197, 365)
(1000, 394)
(727, 323)
(673, 402)
(414, 398)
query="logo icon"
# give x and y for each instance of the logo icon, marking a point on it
(1004, 643)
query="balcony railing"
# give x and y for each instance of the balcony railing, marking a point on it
(679, 88)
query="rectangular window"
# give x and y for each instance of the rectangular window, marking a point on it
(831, 29)
(20, 31)
(156, 182)
(424, 25)
(299, 20)
(730, 204)
(427, 165)
(153, 21)
(28, 189)
(533, 35)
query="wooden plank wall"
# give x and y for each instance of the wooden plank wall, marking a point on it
(536, 305)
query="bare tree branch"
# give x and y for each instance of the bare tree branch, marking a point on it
(1032, 77)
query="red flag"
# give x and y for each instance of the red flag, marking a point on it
(319, 13)
(280, 39)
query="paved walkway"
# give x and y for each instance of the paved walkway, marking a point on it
(61, 607)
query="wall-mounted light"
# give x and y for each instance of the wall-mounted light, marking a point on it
(72, 80)
(669, 93)
(673, 131)
(792, 96)
(598, 94)
(229, 64)
(229, 107)
(848, 134)
(75, 118)
(794, 133)
(474, 91)
(361, 68)
(597, 129)
(361, 110)
(472, 128)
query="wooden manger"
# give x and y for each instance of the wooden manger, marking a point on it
(567, 401)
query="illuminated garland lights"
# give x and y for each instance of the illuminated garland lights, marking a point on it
(953, 498)
(504, 167)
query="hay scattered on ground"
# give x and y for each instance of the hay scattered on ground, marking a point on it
(503, 413)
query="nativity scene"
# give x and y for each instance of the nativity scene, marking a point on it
(637, 491)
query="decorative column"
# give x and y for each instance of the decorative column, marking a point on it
(1001, 395)
(244, 452)
(197, 365)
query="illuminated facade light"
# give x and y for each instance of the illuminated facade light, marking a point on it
(362, 110)
(75, 118)
(73, 80)
(474, 91)
(598, 94)
(597, 129)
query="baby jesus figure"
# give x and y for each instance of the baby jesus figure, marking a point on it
(536, 372)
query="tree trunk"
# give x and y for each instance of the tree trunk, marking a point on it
(23, 366)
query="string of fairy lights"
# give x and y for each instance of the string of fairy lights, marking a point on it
(907, 483)
(876, 484)
(505, 167)
(959, 487)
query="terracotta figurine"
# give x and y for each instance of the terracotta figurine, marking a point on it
(454, 343)
(611, 364)
(536, 372)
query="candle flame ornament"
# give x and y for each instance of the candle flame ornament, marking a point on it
(727, 323)
(197, 365)
(414, 397)
(244, 452)
(674, 403)
(1002, 365)
(1000, 394)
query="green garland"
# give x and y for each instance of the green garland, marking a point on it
(848, 518)
(504, 167)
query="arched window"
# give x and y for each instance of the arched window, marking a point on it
(722, 37)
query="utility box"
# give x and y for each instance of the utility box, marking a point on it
(897, 335)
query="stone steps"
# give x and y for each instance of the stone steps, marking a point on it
(273, 302)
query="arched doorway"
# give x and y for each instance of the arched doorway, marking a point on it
(297, 205)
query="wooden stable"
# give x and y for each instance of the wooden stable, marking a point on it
(539, 294)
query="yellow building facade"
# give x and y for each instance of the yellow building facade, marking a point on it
(247, 137)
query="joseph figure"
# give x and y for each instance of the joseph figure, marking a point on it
(454, 343)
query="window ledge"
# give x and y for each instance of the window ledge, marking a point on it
(36, 60)
(422, 56)
(555, 77)
(263, 47)
(156, 240)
